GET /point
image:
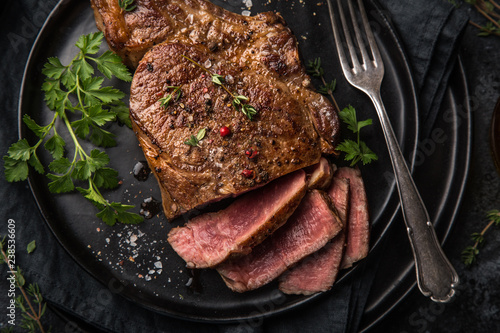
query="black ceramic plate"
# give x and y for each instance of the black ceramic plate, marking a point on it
(139, 256)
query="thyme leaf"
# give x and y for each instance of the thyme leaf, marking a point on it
(470, 253)
(195, 140)
(165, 101)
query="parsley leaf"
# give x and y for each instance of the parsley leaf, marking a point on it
(74, 88)
(55, 145)
(121, 112)
(15, 170)
(110, 64)
(355, 150)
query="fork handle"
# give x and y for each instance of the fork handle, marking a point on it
(436, 277)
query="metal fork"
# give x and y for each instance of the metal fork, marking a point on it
(436, 277)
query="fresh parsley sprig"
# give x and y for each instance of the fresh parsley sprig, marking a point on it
(195, 140)
(355, 150)
(469, 254)
(127, 5)
(238, 100)
(71, 90)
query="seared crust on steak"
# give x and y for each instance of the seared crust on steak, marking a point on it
(282, 133)
(261, 43)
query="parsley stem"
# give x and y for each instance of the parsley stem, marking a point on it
(50, 127)
(78, 148)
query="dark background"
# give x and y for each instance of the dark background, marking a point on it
(477, 305)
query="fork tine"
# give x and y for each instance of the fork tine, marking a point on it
(338, 43)
(359, 38)
(377, 59)
(348, 39)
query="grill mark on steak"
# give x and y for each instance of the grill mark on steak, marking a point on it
(358, 225)
(211, 238)
(311, 226)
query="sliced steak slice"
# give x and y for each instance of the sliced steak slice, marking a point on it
(311, 226)
(340, 194)
(211, 238)
(320, 174)
(358, 225)
(318, 271)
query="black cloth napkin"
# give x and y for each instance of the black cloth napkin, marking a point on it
(430, 32)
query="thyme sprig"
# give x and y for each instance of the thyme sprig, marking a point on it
(165, 101)
(127, 5)
(314, 68)
(469, 254)
(238, 101)
(30, 302)
(490, 10)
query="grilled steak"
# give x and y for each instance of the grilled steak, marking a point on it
(210, 238)
(310, 227)
(258, 57)
(358, 226)
(318, 271)
(261, 43)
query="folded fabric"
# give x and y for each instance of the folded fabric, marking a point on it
(430, 32)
